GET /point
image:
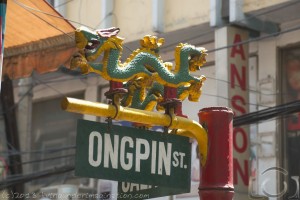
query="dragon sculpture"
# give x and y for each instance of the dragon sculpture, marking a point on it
(144, 73)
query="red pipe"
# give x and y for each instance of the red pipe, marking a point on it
(216, 178)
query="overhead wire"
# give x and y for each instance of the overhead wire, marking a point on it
(283, 109)
(49, 86)
(52, 25)
(39, 160)
(226, 98)
(238, 21)
(256, 39)
(62, 4)
(255, 117)
(34, 176)
(236, 44)
(43, 151)
(260, 116)
(45, 13)
(30, 9)
(269, 11)
(205, 33)
(20, 99)
(268, 115)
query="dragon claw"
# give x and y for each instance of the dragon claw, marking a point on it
(78, 61)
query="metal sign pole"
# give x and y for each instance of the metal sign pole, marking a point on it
(216, 179)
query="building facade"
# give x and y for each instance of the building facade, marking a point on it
(252, 65)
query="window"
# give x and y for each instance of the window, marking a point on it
(290, 91)
(53, 135)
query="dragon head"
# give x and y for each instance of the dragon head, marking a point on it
(93, 43)
(190, 55)
(197, 60)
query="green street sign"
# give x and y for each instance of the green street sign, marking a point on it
(142, 191)
(127, 154)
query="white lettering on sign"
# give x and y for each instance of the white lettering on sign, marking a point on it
(92, 137)
(164, 158)
(238, 76)
(110, 151)
(129, 156)
(139, 155)
(130, 187)
(153, 158)
(128, 153)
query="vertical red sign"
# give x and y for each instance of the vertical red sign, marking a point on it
(239, 97)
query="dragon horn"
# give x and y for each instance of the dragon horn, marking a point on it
(106, 33)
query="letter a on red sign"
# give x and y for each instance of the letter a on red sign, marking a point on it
(237, 49)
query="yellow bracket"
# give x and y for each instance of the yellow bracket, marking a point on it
(186, 127)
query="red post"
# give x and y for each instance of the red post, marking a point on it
(216, 179)
(170, 93)
(170, 97)
(115, 85)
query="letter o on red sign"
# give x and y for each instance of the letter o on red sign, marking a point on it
(244, 145)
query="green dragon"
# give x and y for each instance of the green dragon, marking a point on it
(144, 71)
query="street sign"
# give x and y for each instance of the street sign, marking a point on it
(127, 154)
(142, 191)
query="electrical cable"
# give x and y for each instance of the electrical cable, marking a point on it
(30, 9)
(45, 151)
(256, 39)
(34, 176)
(254, 117)
(47, 22)
(227, 24)
(246, 89)
(261, 115)
(45, 13)
(42, 160)
(226, 98)
(212, 30)
(269, 11)
(62, 4)
(52, 88)
(21, 98)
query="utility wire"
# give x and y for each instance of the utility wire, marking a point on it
(34, 176)
(226, 98)
(254, 117)
(39, 160)
(250, 118)
(256, 39)
(52, 25)
(243, 42)
(261, 115)
(19, 101)
(62, 4)
(205, 33)
(45, 151)
(30, 9)
(227, 24)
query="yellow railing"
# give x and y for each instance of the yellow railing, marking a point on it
(184, 126)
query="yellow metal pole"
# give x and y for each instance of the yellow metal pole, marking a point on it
(186, 127)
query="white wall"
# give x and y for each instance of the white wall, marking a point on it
(208, 97)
